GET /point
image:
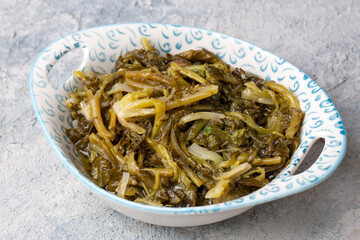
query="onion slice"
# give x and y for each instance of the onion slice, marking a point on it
(120, 87)
(120, 191)
(235, 172)
(202, 115)
(205, 154)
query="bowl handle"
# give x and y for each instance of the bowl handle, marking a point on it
(52, 54)
(329, 159)
(48, 98)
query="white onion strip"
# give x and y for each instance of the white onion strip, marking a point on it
(120, 191)
(202, 115)
(205, 154)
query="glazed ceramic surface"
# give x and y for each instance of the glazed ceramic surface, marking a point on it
(102, 45)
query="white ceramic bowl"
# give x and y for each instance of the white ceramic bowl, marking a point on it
(101, 46)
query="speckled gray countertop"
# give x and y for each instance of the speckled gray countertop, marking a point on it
(40, 199)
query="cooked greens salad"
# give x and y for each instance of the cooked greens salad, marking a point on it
(181, 130)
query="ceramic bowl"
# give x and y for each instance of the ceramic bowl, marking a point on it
(101, 45)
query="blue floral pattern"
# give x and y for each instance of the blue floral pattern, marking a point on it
(101, 47)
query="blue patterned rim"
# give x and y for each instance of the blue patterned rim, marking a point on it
(284, 185)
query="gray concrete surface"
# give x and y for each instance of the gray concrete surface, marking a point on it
(40, 199)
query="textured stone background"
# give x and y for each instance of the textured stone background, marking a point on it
(40, 199)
